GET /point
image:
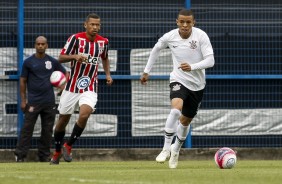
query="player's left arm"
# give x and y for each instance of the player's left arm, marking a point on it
(106, 63)
(207, 62)
(207, 52)
(106, 67)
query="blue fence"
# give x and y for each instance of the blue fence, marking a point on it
(246, 41)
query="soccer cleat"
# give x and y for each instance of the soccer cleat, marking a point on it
(163, 156)
(173, 161)
(18, 159)
(67, 153)
(55, 160)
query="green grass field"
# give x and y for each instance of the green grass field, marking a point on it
(140, 172)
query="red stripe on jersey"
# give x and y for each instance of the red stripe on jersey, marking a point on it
(92, 48)
(81, 44)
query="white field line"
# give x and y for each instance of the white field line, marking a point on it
(79, 180)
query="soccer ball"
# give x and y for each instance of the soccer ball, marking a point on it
(225, 158)
(58, 78)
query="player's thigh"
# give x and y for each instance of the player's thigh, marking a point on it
(88, 98)
(68, 102)
(177, 95)
(192, 103)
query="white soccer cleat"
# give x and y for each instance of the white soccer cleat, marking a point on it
(163, 156)
(173, 161)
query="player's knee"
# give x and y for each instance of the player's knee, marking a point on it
(84, 117)
(175, 113)
(185, 121)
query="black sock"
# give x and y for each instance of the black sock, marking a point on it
(76, 132)
(58, 136)
(179, 141)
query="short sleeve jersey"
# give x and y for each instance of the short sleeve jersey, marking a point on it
(191, 50)
(37, 71)
(83, 76)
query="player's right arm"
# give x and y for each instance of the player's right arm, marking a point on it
(67, 58)
(67, 53)
(154, 54)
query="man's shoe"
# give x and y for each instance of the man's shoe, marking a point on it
(19, 159)
(163, 156)
(173, 161)
(67, 153)
(55, 160)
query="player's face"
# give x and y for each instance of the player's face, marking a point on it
(185, 24)
(92, 26)
(41, 45)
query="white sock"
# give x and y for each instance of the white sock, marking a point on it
(170, 127)
(181, 134)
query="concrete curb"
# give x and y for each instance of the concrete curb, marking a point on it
(151, 153)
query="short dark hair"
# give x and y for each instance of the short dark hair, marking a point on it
(186, 12)
(93, 16)
(40, 37)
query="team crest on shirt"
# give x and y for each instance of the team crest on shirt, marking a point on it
(176, 87)
(83, 82)
(48, 65)
(193, 44)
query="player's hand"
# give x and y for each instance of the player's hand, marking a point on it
(59, 93)
(81, 58)
(109, 80)
(144, 78)
(60, 89)
(185, 67)
(23, 106)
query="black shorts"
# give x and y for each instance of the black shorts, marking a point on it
(191, 99)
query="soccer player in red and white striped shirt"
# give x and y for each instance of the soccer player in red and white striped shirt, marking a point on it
(84, 50)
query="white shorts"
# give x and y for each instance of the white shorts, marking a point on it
(69, 102)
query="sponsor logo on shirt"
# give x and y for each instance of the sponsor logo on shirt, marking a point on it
(90, 59)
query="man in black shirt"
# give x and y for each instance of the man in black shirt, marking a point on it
(40, 100)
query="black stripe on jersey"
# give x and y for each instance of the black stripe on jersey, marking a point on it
(96, 51)
(81, 71)
(71, 45)
(76, 47)
(87, 47)
(106, 50)
(92, 70)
